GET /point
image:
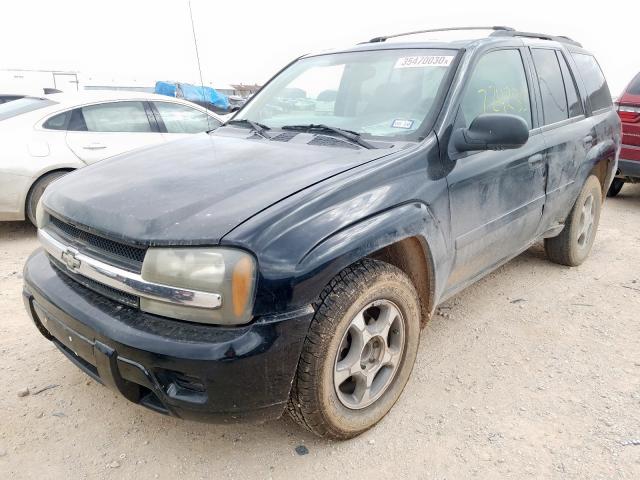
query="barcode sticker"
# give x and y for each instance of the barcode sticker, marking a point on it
(402, 123)
(421, 61)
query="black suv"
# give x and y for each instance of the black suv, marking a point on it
(287, 260)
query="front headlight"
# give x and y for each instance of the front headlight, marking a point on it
(229, 272)
(41, 215)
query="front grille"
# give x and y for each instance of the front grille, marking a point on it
(112, 252)
(73, 278)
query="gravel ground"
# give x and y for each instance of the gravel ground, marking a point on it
(534, 372)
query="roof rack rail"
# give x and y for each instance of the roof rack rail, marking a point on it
(386, 37)
(542, 36)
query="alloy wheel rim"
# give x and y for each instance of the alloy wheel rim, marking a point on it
(369, 355)
(587, 220)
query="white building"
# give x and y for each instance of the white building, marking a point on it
(33, 81)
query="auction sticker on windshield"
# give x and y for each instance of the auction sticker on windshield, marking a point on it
(419, 61)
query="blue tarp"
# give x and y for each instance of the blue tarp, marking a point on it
(193, 93)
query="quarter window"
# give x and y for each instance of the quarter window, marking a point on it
(497, 85)
(594, 81)
(554, 97)
(57, 122)
(115, 117)
(183, 119)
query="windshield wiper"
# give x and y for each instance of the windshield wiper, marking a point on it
(348, 134)
(257, 127)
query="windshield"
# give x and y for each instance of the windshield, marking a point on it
(634, 86)
(379, 93)
(23, 105)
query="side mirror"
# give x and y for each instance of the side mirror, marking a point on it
(492, 131)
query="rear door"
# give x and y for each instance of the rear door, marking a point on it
(567, 132)
(100, 131)
(496, 197)
(177, 121)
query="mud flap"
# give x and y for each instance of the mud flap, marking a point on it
(106, 362)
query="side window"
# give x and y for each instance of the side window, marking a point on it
(573, 99)
(116, 117)
(57, 122)
(554, 98)
(497, 85)
(183, 119)
(593, 80)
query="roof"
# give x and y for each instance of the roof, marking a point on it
(64, 101)
(485, 35)
(84, 96)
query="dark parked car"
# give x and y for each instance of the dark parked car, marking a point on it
(287, 260)
(629, 163)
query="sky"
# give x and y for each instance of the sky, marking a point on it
(140, 41)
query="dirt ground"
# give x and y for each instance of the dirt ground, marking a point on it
(534, 372)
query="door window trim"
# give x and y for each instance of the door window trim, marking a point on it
(566, 121)
(162, 128)
(525, 57)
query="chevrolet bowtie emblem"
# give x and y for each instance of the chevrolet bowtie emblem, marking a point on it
(69, 258)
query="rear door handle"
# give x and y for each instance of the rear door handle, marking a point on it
(536, 159)
(588, 140)
(94, 146)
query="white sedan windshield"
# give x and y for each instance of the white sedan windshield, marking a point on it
(379, 93)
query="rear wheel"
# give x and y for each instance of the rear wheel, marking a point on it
(574, 243)
(615, 187)
(359, 351)
(37, 189)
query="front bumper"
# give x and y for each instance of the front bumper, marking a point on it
(187, 370)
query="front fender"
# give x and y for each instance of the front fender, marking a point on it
(306, 239)
(345, 247)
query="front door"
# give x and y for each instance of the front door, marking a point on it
(100, 131)
(496, 197)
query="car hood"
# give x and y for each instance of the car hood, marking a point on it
(194, 191)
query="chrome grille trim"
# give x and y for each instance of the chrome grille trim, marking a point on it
(124, 280)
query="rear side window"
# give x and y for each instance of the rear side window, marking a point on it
(634, 86)
(57, 122)
(182, 119)
(497, 85)
(554, 98)
(594, 81)
(573, 99)
(115, 117)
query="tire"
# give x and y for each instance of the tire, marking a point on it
(574, 243)
(615, 187)
(37, 189)
(325, 399)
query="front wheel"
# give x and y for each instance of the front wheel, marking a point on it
(36, 192)
(615, 187)
(359, 351)
(574, 243)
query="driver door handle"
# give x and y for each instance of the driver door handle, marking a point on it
(534, 160)
(95, 146)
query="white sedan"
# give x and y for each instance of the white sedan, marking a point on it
(45, 137)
